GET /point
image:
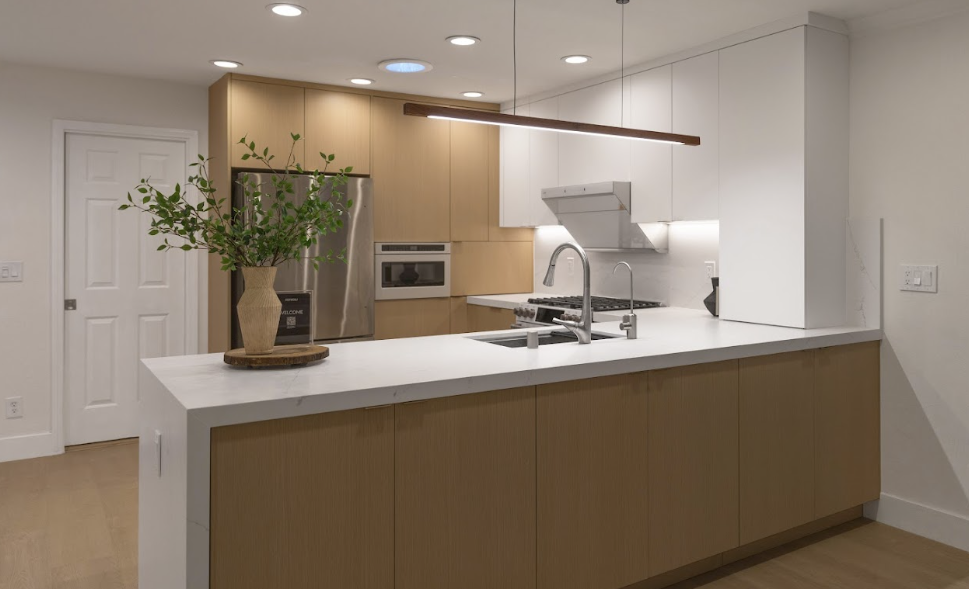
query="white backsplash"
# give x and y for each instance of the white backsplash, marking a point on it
(677, 278)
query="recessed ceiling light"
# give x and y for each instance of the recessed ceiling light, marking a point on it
(231, 65)
(463, 40)
(473, 94)
(286, 9)
(576, 59)
(361, 81)
(405, 66)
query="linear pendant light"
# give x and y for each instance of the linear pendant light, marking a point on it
(505, 120)
(515, 120)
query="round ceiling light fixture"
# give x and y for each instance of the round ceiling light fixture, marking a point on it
(286, 9)
(576, 59)
(405, 66)
(463, 40)
(472, 94)
(225, 63)
(361, 81)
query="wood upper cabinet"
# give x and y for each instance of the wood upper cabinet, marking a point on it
(592, 482)
(411, 318)
(848, 456)
(304, 502)
(651, 164)
(469, 181)
(696, 111)
(266, 114)
(337, 123)
(465, 492)
(495, 267)
(776, 444)
(693, 464)
(411, 174)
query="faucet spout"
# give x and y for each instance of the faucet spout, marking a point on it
(628, 321)
(582, 328)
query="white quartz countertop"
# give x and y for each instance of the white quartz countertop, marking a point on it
(366, 374)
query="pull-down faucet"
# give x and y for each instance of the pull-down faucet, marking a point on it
(583, 327)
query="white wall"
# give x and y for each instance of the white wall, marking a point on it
(910, 165)
(30, 99)
(677, 279)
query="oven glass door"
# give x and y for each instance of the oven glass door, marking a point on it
(408, 277)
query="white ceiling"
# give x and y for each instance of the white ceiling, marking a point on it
(339, 39)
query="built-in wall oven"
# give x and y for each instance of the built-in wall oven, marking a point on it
(412, 270)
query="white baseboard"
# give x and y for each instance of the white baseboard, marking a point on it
(29, 446)
(929, 522)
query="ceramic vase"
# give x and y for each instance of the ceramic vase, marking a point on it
(259, 309)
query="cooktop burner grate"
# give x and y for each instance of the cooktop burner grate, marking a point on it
(599, 304)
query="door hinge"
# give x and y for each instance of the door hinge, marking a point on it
(70, 304)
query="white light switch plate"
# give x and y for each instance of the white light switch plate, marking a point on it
(11, 271)
(920, 278)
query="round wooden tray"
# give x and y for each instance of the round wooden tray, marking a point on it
(296, 355)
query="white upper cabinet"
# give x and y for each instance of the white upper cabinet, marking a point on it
(784, 179)
(696, 170)
(514, 157)
(651, 164)
(584, 159)
(544, 164)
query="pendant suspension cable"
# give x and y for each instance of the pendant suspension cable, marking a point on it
(622, 62)
(514, 55)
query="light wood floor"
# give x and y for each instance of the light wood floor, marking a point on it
(70, 522)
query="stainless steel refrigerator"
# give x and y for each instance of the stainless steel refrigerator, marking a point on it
(343, 299)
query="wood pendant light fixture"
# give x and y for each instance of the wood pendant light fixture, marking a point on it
(515, 120)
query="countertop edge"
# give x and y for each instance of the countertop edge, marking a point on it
(379, 396)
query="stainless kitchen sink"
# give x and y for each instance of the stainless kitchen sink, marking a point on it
(547, 338)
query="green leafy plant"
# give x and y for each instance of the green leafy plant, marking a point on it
(272, 229)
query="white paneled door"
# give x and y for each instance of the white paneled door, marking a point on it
(130, 298)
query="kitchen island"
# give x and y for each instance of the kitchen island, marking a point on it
(451, 462)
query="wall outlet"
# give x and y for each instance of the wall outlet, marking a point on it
(14, 407)
(11, 271)
(711, 269)
(920, 278)
(571, 262)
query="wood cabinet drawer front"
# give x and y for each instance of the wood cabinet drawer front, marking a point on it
(465, 492)
(693, 464)
(412, 318)
(304, 502)
(776, 444)
(592, 491)
(848, 456)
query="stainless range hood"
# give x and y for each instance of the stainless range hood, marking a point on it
(598, 217)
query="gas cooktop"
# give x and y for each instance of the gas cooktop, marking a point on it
(599, 304)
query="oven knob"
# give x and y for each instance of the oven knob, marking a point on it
(532, 313)
(519, 312)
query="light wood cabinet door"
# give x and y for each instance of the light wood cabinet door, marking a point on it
(304, 502)
(337, 123)
(266, 114)
(848, 457)
(465, 492)
(411, 318)
(651, 164)
(776, 444)
(469, 181)
(495, 267)
(696, 111)
(693, 464)
(411, 175)
(592, 504)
